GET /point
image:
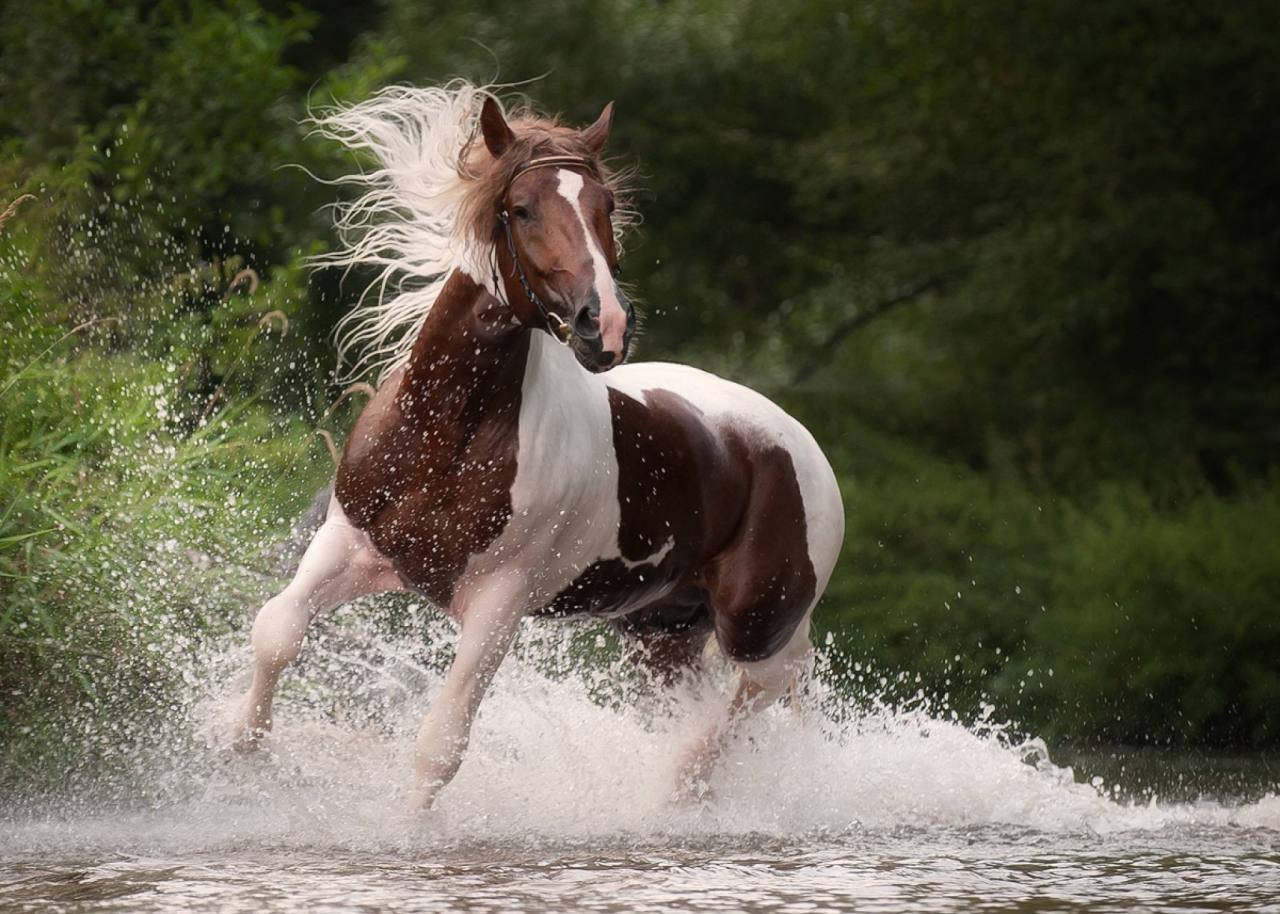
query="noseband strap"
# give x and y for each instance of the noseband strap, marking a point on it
(555, 323)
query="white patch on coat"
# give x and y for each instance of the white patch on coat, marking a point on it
(723, 404)
(613, 319)
(655, 559)
(564, 501)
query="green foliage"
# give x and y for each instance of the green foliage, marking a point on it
(134, 510)
(1163, 624)
(1116, 621)
(166, 151)
(125, 539)
(1015, 266)
(146, 294)
(942, 572)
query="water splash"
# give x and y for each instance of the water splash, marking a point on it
(567, 750)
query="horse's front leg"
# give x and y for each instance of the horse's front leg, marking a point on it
(490, 612)
(339, 565)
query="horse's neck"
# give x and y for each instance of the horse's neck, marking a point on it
(466, 357)
(474, 366)
(565, 454)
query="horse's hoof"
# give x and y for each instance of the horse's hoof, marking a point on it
(249, 741)
(690, 790)
(421, 799)
(233, 729)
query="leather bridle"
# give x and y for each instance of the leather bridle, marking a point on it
(555, 323)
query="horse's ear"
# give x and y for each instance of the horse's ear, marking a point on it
(597, 134)
(497, 135)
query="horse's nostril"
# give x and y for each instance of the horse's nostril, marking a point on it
(585, 323)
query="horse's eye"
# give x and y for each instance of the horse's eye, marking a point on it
(520, 213)
(609, 207)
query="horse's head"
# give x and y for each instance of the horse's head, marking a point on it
(554, 236)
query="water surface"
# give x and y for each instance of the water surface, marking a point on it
(563, 804)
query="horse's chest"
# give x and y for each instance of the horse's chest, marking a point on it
(445, 508)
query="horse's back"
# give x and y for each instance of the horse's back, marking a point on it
(728, 405)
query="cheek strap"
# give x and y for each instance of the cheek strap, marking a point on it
(555, 323)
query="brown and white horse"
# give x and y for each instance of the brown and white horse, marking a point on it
(510, 465)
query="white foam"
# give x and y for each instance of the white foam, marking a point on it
(564, 750)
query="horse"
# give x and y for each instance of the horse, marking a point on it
(510, 464)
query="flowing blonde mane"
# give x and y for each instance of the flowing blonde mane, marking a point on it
(427, 207)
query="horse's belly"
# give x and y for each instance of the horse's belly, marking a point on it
(612, 587)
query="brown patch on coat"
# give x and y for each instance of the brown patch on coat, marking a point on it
(762, 582)
(429, 466)
(730, 504)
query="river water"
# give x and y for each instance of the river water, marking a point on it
(563, 804)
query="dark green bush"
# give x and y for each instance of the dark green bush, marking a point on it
(1163, 624)
(1014, 266)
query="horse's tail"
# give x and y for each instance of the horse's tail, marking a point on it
(285, 557)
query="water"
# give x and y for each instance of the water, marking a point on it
(563, 805)
(908, 870)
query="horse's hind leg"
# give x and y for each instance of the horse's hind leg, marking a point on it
(760, 683)
(762, 588)
(339, 565)
(666, 640)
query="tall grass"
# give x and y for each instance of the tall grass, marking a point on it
(135, 520)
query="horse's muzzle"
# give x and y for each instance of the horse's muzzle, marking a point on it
(592, 356)
(593, 330)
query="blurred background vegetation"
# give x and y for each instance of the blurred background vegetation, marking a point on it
(1015, 265)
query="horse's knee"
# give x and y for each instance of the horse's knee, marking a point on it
(779, 672)
(773, 676)
(278, 631)
(338, 566)
(367, 571)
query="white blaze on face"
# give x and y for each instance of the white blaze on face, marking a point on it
(613, 319)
